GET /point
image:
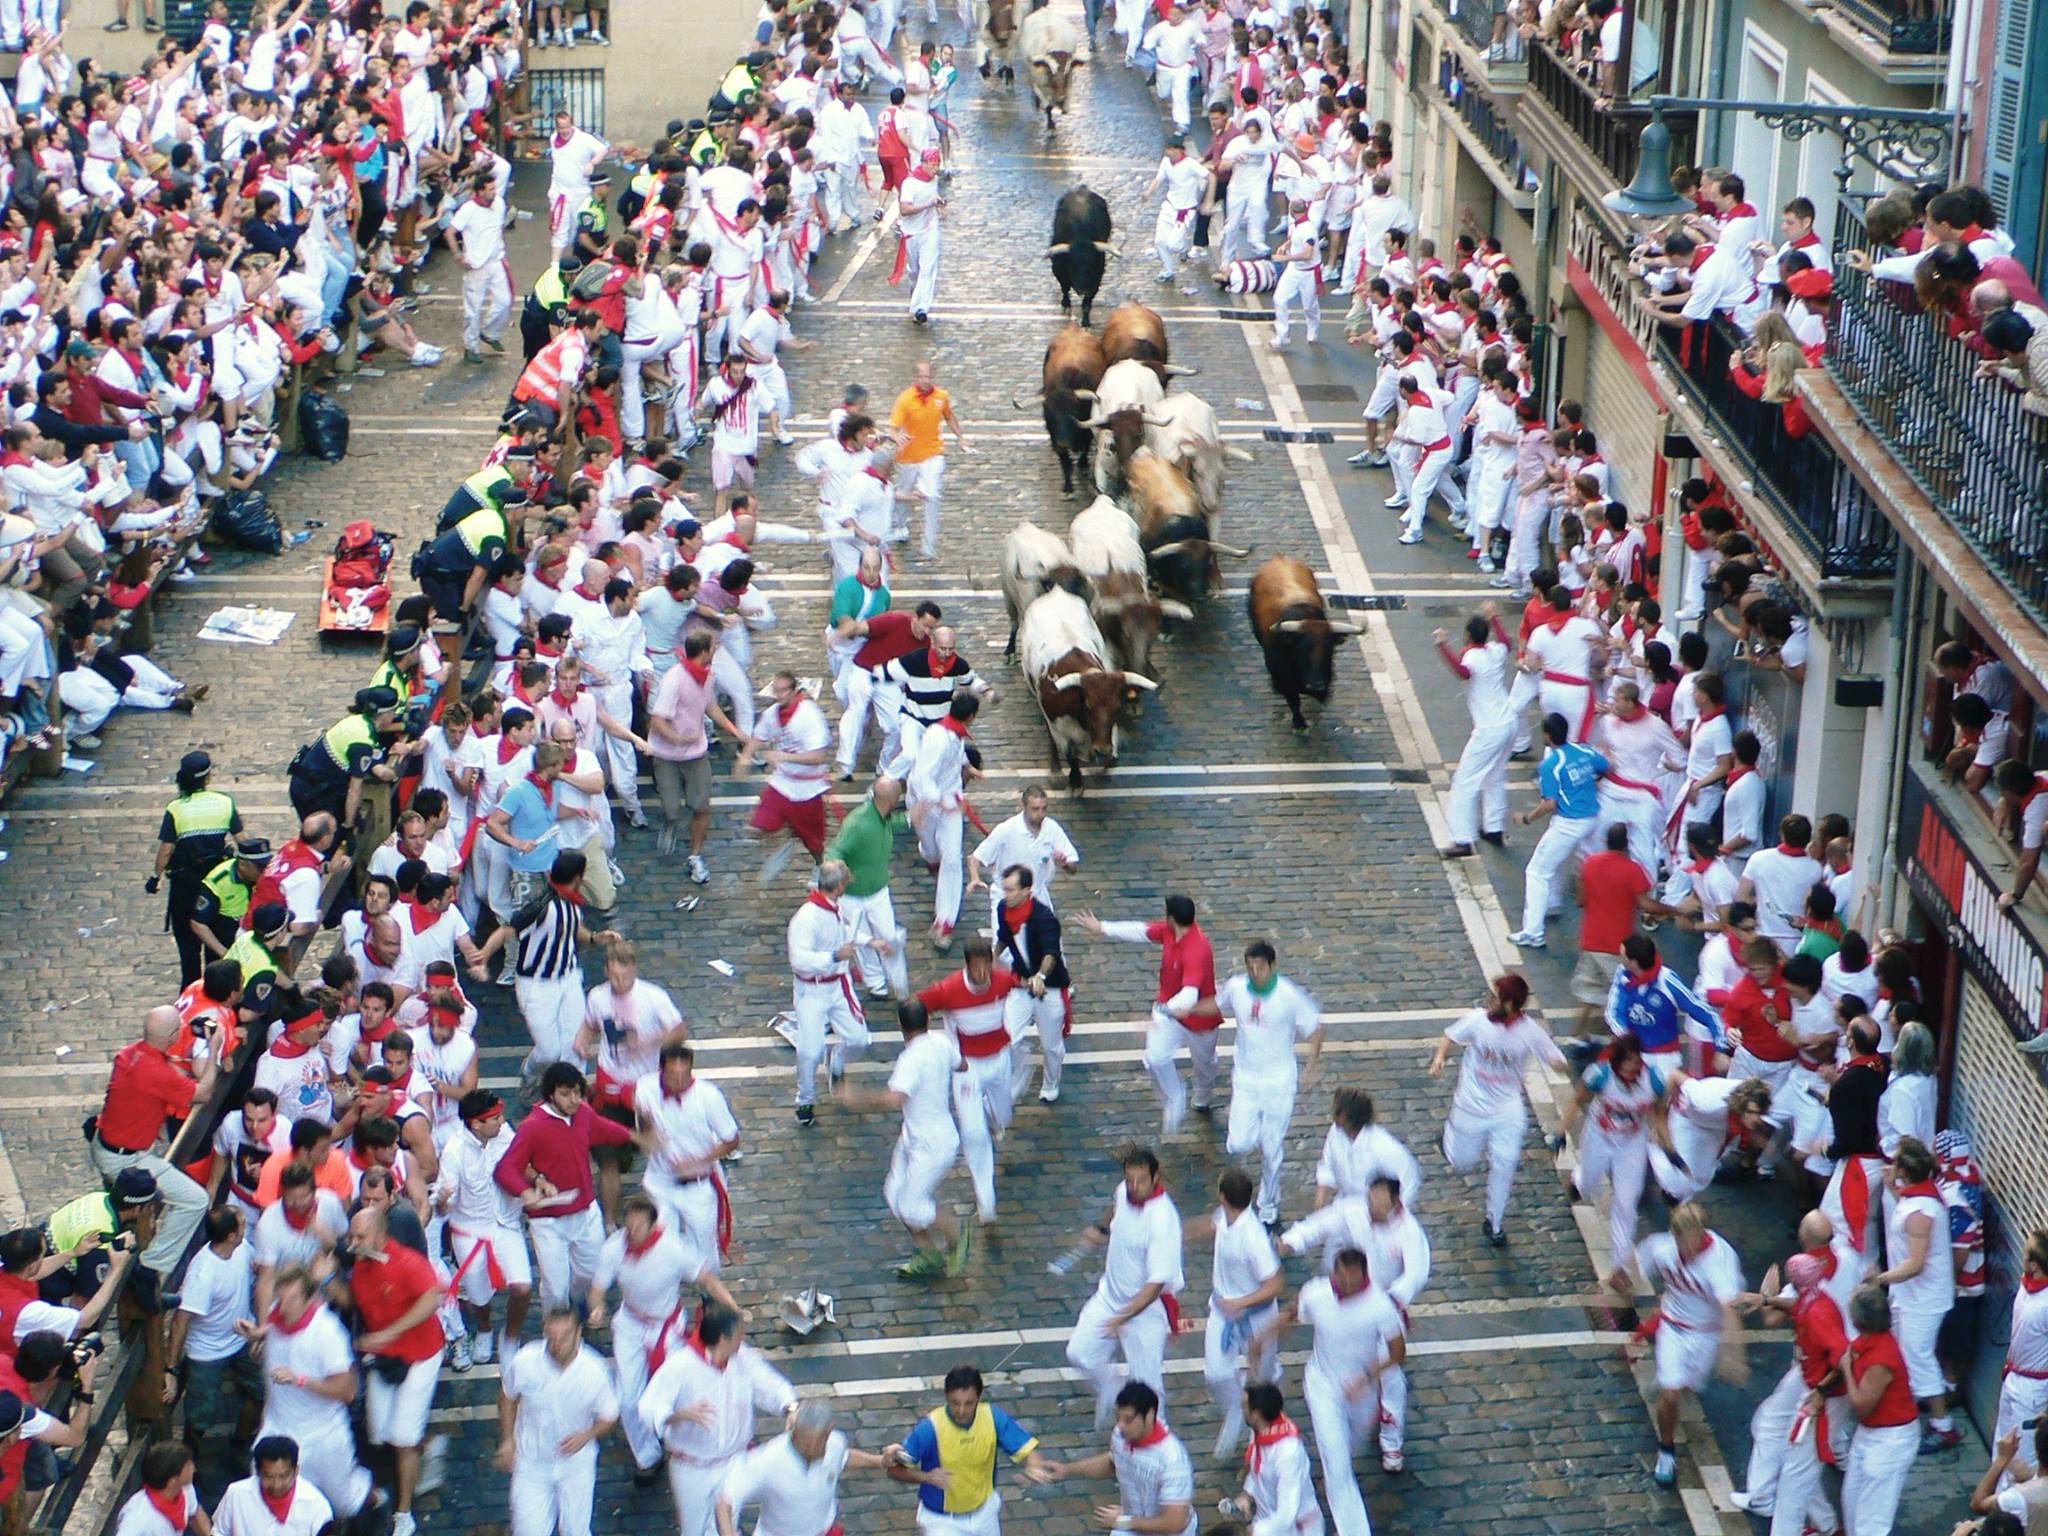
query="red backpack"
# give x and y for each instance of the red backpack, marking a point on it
(361, 556)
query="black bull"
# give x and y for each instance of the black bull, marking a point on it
(1080, 248)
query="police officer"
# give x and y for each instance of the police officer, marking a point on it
(454, 569)
(593, 221)
(224, 893)
(197, 829)
(262, 952)
(403, 674)
(495, 486)
(546, 309)
(328, 774)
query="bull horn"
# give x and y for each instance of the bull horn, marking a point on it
(1067, 680)
(1347, 629)
(1172, 610)
(1232, 451)
(1225, 549)
(1058, 250)
(1140, 680)
(1177, 370)
(1172, 549)
(1157, 418)
(1290, 626)
(1096, 422)
(1084, 394)
(1105, 247)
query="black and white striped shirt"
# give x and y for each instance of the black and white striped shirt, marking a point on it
(550, 929)
(927, 698)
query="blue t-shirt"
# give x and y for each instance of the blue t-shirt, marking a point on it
(1570, 776)
(969, 1454)
(528, 815)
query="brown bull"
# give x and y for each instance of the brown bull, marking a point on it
(1082, 697)
(1172, 527)
(1073, 368)
(1296, 632)
(1133, 331)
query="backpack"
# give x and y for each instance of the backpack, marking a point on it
(361, 556)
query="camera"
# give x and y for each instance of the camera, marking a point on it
(87, 1346)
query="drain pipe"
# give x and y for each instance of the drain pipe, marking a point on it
(1961, 82)
(1709, 152)
(1902, 703)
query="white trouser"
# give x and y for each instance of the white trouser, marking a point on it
(1021, 1012)
(691, 1207)
(729, 679)
(1499, 1141)
(2019, 1398)
(1699, 1148)
(1638, 810)
(24, 655)
(1172, 233)
(876, 917)
(1574, 701)
(554, 1012)
(774, 386)
(1463, 393)
(842, 192)
(823, 1006)
(1244, 226)
(1553, 851)
(923, 272)
(1521, 694)
(1297, 290)
(92, 698)
(554, 1498)
(924, 479)
(985, 1521)
(1142, 1341)
(862, 52)
(863, 692)
(696, 1495)
(938, 841)
(1432, 479)
(1621, 1163)
(327, 1460)
(486, 305)
(1230, 1359)
(565, 1250)
(1175, 84)
(633, 1337)
(1801, 1502)
(1525, 549)
(917, 1167)
(1165, 1038)
(1875, 1476)
(1342, 1426)
(909, 732)
(1393, 1411)
(1492, 481)
(982, 1106)
(634, 356)
(621, 759)
(1770, 1425)
(1479, 789)
(1260, 1112)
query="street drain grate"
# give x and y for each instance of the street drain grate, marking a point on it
(1293, 435)
(1343, 392)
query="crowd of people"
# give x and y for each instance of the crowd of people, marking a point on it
(382, 1217)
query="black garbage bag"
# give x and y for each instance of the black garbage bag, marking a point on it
(323, 426)
(244, 518)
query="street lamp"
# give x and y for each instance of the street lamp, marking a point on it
(1899, 143)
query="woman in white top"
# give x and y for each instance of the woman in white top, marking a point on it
(1906, 1107)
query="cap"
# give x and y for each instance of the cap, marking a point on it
(135, 1186)
(403, 638)
(78, 348)
(12, 1411)
(256, 850)
(194, 765)
(1176, 141)
(373, 700)
(270, 918)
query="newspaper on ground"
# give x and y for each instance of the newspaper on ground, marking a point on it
(247, 626)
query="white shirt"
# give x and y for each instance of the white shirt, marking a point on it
(918, 205)
(1837, 983)
(1566, 649)
(243, 1512)
(806, 731)
(1242, 1257)
(1742, 814)
(1174, 47)
(275, 1242)
(1268, 1027)
(1711, 741)
(1283, 1491)
(814, 937)
(572, 164)
(1351, 1334)
(797, 1497)
(467, 1179)
(1150, 1477)
(435, 1066)
(1489, 668)
(1934, 1288)
(746, 1383)
(318, 1350)
(650, 1283)
(1349, 1164)
(217, 1294)
(1496, 1056)
(1696, 1289)
(923, 1074)
(1782, 880)
(1012, 842)
(686, 1126)
(2028, 1349)
(1906, 1108)
(483, 234)
(630, 1027)
(1184, 182)
(557, 1401)
(1144, 1249)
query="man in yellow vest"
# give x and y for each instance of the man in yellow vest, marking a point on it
(198, 828)
(953, 1455)
(328, 774)
(224, 893)
(546, 309)
(262, 951)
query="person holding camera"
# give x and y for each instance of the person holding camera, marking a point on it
(145, 1090)
(30, 1436)
(26, 1261)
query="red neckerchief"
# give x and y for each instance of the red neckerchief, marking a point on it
(422, 919)
(1557, 621)
(696, 1342)
(557, 697)
(569, 893)
(507, 749)
(280, 1507)
(561, 140)
(636, 1250)
(546, 788)
(285, 1048)
(170, 1505)
(1641, 710)
(540, 574)
(1158, 1189)
(1152, 1437)
(957, 727)
(1280, 1429)
(935, 666)
(1874, 1062)
(1791, 849)
(1012, 924)
(586, 594)
(819, 899)
(1736, 774)
(277, 1319)
(300, 1223)
(1827, 1260)
(784, 713)
(1714, 714)
(700, 670)
(2034, 1285)
(1924, 1188)
(862, 577)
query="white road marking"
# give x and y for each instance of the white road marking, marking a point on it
(862, 252)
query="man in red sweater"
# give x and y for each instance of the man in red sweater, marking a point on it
(972, 1002)
(1184, 1013)
(1757, 1011)
(863, 684)
(399, 1296)
(548, 1169)
(1613, 891)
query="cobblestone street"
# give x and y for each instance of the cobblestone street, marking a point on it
(1523, 1415)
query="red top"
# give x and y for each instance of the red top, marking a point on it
(1821, 1336)
(889, 637)
(145, 1090)
(1610, 884)
(385, 1290)
(1187, 961)
(559, 1151)
(1743, 1013)
(16, 1292)
(292, 857)
(15, 1457)
(1897, 1405)
(977, 1016)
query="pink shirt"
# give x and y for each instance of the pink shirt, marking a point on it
(681, 700)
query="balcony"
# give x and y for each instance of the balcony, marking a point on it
(1978, 458)
(1901, 27)
(1833, 520)
(1485, 128)
(1605, 135)
(1494, 36)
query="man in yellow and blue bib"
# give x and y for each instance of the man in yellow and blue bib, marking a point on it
(951, 1457)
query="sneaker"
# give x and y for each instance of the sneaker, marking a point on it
(494, 344)
(1412, 538)
(474, 359)
(1048, 1095)
(1935, 1441)
(1739, 1497)
(806, 1116)
(84, 740)
(700, 872)
(483, 1347)
(1501, 583)
(1667, 1468)
(597, 39)
(1455, 851)
(424, 356)
(1391, 1462)
(1378, 461)
(459, 1356)
(506, 975)
(1164, 277)
(1395, 502)
(1362, 458)
(434, 1463)
(1488, 565)
(117, 25)
(403, 1525)
(1528, 940)
(785, 438)
(1497, 1236)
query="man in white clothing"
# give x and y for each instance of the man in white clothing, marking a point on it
(1174, 45)
(1489, 1114)
(572, 155)
(1639, 748)
(795, 1476)
(1777, 880)
(1560, 650)
(1135, 1306)
(276, 1501)
(1273, 1016)
(973, 1002)
(1479, 789)
(1301, 277)
(796, 745)
(691, 1130)
(312, 1371)
(829, 1018)
(937, 789)
(1426, 434)
(556, 1402)
(1244, 1285)
(476, 233)
(484, 1227)
(702, 1403)
(921, 1089)
(1697, 1326)
(1189, 186)
(1031, 838)
(1155, 1479)
(1357, 1151)
(919, 207)
(1279, 1495)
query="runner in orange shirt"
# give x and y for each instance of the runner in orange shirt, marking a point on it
(921, 455)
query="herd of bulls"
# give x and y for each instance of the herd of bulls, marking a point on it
(1086, 609)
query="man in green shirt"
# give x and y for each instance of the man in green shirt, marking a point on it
(866, 839)
(856, 598)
